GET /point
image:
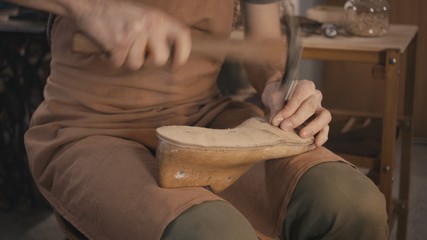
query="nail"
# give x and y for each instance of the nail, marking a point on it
(307, 133)
(277, 121)
(287, 125)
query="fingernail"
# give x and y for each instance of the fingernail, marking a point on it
(286, 125)
(306, 133)
(276, 121)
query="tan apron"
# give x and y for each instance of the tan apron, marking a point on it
(91, 142)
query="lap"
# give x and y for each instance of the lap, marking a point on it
(106, 186)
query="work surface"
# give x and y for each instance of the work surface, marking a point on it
(399, 37)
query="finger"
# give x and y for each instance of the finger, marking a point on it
(272, 95)
(136, 56)
(118, 57)
(119, 52)
(316, 125)
(306, 110)
(275, 104)
(159, 51)
(283, 111)
(181, 47)
(322, 136)
(303, 90)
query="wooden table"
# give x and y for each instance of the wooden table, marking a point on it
(385, 54)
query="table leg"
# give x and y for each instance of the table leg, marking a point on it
(407, 136)
(388, 145)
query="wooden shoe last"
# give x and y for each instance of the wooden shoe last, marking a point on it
(196, 156)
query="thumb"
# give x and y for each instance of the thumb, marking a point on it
(273, 98)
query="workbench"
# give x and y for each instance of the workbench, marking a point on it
(385, 54)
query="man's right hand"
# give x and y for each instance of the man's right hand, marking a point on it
(134, 34)
(131, 33)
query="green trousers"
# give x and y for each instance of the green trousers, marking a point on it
(331, 201)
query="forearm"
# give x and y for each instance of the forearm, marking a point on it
(262, 23)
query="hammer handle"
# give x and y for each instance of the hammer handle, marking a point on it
(247, 51)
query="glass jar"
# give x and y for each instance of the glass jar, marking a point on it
(367, 18)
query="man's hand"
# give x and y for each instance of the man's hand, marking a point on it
(303, 110)
(131, 33)
(134, 34)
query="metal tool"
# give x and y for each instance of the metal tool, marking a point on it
(294, 49)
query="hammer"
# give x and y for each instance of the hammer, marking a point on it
(269, 52)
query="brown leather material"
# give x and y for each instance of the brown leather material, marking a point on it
(196, 156)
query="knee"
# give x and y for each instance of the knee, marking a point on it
(336, 199)
(368, 209)
(209, 221)
(360, 214)
(355, 211)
